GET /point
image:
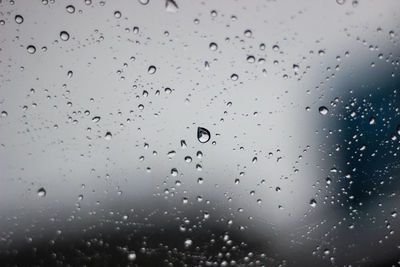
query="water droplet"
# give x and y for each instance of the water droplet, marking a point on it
(144, 2)
(69, 74)
(64, 36)
(251, 59)
(152, 69)
(41, 192)
(200, 180)
(108, 136)
(174, 172)
(248, 33)
(188, 243)
(234, 77)
(275, 47)
(313, 203)
(394, 214)
(213, 46)
(132, 256)
(96, 119)
(203, 135)
(372, 121)
(19, 19)
(171, 6)
(70, 9)
(4, 114)
(188, 159)
(31, 49)
(117, 14)
(340, 2)
(323, 110)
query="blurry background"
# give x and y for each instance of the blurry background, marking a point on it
(100, 158)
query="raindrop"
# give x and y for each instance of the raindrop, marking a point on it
(144, 2)
(251, 59)
(117, 14)
(70, 9)
(313, 203)
(96, 119)
(203, 135)
(31, 49)
(19, 19)
(64, 36)
(174, 172)
(340, 2)
(69, 74)
(41, 192)
(323, 110)
(108, 136)
(4, 114)
(132, 256)
(372, 121)
(188, 243)
(248, 33)
(213, 46)
(171, 6)
(152, 69)
(234, 77)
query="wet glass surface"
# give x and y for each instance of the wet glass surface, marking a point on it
(199, 133)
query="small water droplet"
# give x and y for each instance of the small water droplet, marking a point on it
(251, 59)
(19, 19)
(96, 119)
(213, 46)
(69, 74)
(234, 77)
(248, 33)
(152, 69)
(31, 49)
(313, 203)
(64, 36)
(203, 135)
(372, 121)
(188, 243)
(171, 6)
(70, 9)
(340, 2)
(132, 256)
(4, 114)
(41, 192)
(108, 136)
(117, 14)
(174, 172)
(323, 110)
(144, 2)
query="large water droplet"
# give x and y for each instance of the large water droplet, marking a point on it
(203, 135)
(64, 36)
(31, 49)
(19, 19)
(323, 110)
